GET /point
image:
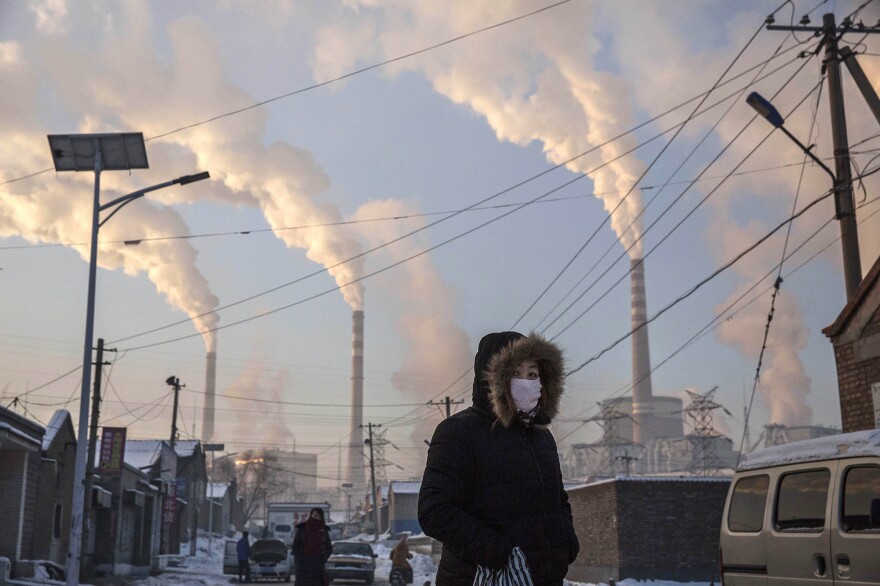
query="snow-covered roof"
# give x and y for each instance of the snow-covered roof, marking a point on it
(17, 433)
(216, 490)
(185, 448)
(403, 487)
(844, 445)
(140, 454)
(58, 421)
(658, 479)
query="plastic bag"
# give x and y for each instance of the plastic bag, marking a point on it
(515, 573)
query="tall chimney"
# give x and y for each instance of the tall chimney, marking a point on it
(356, 473)
(208, 411)
(643, 401)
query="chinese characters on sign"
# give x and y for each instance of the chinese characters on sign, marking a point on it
(169, 505)
(112, 450)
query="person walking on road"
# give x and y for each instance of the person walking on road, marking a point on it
(400, 557)
(311, 548)
(243, 549)
(492, 490)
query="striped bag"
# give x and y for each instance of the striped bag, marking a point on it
(515, 573)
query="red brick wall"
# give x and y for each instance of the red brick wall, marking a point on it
(854, 381)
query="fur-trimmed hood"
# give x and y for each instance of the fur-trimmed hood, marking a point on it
(495, 363)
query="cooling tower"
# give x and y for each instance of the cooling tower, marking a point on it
(643, 401)
(356, 472)
(208, 411)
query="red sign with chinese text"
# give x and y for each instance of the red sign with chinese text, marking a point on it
(112, 450)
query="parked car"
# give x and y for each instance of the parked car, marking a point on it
(270, 558)
(805, 513)
(351, 560)
(230, 558)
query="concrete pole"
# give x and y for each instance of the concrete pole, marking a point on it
(76, 514)
(843, 196)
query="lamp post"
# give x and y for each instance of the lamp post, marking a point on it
(844, 208)
(212, 448)
(97, 153)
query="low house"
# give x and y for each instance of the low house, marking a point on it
(55, 491)
(403, 507)
(127, 531)
(192, 478)
(855, 335)
(223, 511)
(156, 463)
(20, 455)
(648, 528)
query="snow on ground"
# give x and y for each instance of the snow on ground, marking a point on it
(206, 568)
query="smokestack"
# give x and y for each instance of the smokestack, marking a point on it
(356, 472)
(210, 383)
(643, 401)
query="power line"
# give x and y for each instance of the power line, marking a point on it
(330, 81)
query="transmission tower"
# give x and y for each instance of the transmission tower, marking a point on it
(704, 437)
(612, 445)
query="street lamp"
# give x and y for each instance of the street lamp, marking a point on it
(844, 208)
(97, 152)
(213, 448)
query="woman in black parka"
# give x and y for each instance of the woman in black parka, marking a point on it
(492, 480)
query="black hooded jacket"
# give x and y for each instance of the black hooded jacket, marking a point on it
(493, 482)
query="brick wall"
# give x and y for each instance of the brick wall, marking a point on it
(14, 464)
(648, 528)
(855, 375)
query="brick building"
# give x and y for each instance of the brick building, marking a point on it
(403, 507)
(855, 336)
(55, 491)
(648, 528)
(20, 452)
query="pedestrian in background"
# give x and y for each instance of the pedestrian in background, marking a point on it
(400, 556)
(311, 548)
(243, 550)
(492, 489)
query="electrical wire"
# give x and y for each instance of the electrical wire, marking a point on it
(330, 81)
(776, 285)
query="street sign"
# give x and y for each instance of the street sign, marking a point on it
(112, 450)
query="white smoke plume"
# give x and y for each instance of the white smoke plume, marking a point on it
(118, 82)
(256, 381)
(784, 385)
(531, 83)
(437, 350)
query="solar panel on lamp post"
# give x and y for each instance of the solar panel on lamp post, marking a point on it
(120, 151)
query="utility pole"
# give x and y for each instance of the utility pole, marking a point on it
(93, 442)
(375, 499)
(174, 382)
(844, 205)
(448, 402)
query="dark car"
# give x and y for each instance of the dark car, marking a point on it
(270, 559)
(351, 560)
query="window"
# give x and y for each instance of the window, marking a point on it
(861, 491)
(800, 504)
(747, 505)
(56, 522)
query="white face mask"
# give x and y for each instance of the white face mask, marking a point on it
(525, 393)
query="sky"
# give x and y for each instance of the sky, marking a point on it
(451, 169)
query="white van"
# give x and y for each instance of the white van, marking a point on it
(805, 513)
